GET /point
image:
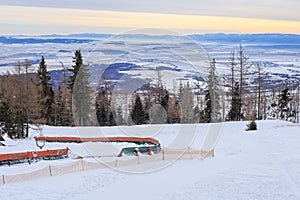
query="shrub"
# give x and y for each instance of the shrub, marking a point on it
(251, 126)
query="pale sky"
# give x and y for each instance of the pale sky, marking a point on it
(115, 16)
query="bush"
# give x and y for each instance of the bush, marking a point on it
(251, 126)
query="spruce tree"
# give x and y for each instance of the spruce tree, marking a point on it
(137, 114)
(6, 117)
(59, 110)
(47, 95)
(235, 108)
(164, 101)
(111, 119)
(102, 107)
(208, 107)
(212, 96)
(81, 92)
(283, 103)
(77, 60)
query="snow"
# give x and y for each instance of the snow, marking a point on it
(7, 140)
(262, 164)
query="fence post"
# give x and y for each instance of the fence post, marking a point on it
(163, 153)
(50, 171)
(190, 153)
(82, 165)
(116, 163)
(3, 179)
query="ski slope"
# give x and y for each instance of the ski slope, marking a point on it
(263, 164)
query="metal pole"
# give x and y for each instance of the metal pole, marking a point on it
(50, 170)
(3, 179)
(26, 78)
(298, 99)
(20, 127)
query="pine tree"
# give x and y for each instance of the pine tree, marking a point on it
(47, 94)
(78, 62)
(212, 95)
(208, 107)
(59, 110)
(81, 92)
(6, 116)
(165, 101)
(283, 103)
(111, 119)
(235, 108)
(138, 114)
(252, 126)
(102, 107)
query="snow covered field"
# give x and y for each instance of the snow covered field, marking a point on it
(263, 164)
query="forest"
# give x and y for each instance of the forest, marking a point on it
(31, 98)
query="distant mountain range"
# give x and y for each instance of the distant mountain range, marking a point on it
(137, 56)
(271, 38)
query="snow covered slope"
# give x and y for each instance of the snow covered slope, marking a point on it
(263, 164)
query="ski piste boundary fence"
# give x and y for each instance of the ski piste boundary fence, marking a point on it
(166, 154)
(118, 163)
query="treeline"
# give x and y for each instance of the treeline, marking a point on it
(153, 103)
(30, 98)
(243, 94)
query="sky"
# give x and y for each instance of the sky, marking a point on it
(118, 16)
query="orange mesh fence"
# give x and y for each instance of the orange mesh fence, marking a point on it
(80, 165)
(127, 162)
(26, 177)
(67, 168)
(93, 165)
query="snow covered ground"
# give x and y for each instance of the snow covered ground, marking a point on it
(263, 164)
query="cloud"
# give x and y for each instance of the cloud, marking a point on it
(91, 20)
(261, 9)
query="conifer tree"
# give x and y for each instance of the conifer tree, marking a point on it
(138, 114)
(235, 108)
(47, 94)
(283, 103)
(59, 110)
(208, 107)
(6, 116)
(77, 60)
(212, 97)
(111, 119)
(165, 101)
(102, 107)
(81, 92)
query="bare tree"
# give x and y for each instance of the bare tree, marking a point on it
(242, 60)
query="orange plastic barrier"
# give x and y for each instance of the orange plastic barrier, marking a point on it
(32, 155)
(101, 139)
